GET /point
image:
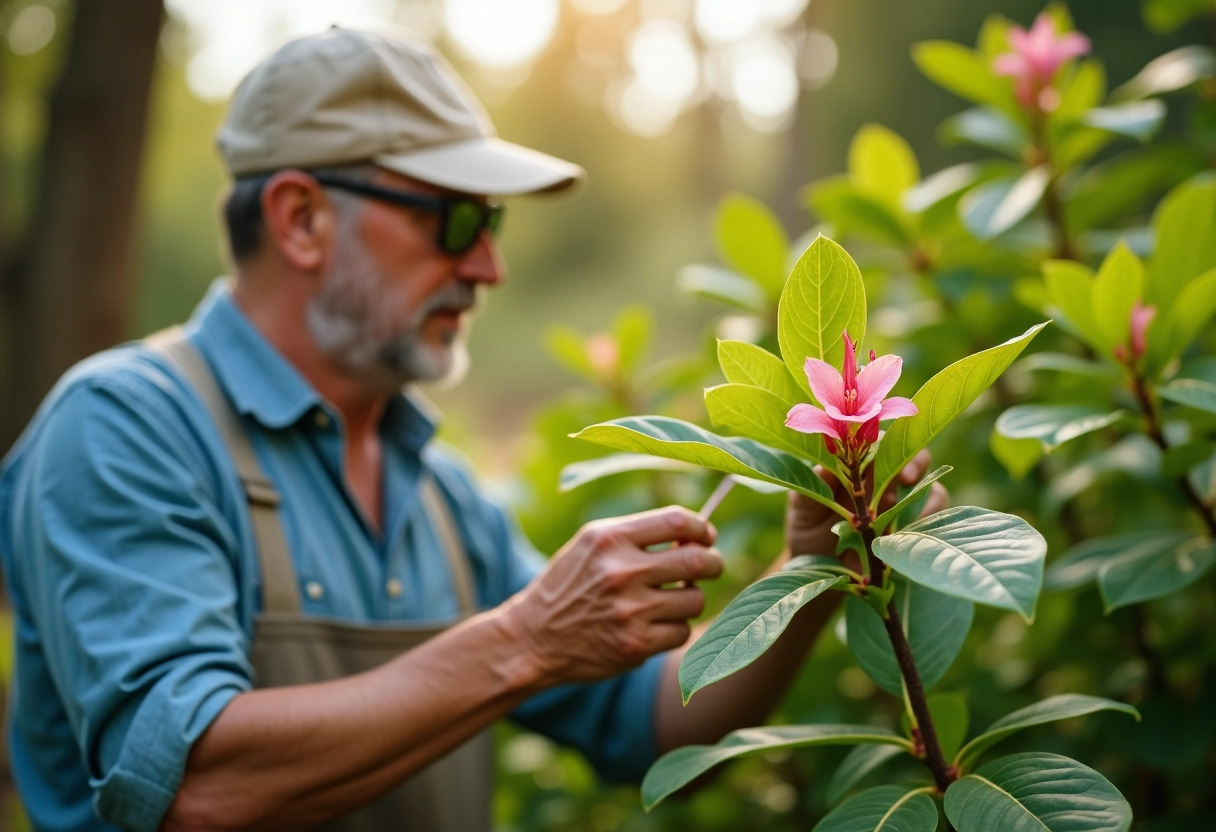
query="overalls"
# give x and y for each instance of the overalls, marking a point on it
(289, 648)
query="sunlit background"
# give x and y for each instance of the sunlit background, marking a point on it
(669, 104)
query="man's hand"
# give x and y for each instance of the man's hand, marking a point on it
(808, 524)
(601, 607)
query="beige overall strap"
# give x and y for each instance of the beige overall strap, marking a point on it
(280, 594)
(445, 526)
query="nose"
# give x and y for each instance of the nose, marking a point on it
(483, 263)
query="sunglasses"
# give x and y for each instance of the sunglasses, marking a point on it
(461, 219)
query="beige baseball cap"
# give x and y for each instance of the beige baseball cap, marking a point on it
(345, 96)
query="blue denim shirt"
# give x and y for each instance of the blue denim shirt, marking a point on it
(130, 562)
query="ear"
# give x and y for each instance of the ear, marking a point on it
(299, 219)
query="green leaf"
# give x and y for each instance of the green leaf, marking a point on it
(1203, 479)
(1053, 424)
(1171, 562)
(686, 442)
(1019, 456)
(751, 241)
(936, 626)
(973, 553)
(1194, 386)
(945, 183)
(1081, 90)
(749, 625)
(1036, 792)
(1051, 709)
(1064, 363)
(882, 165)
(567, 346)
(859, 762)
(1070, 287)
(883, 520)
(883, 809)
(835, 200)
(631, 327)
(939, 401)
(1137, 120)
(721, 286)
(998, 206)
(758, 414)
(1173, 331)
(951, 719)
(988, 128)
(678, 768)
(1169, 72)
(964, 72)
(847, 537)
(1165, 16)
(1116, 288)
(589, 470)
(1080, 564)
(824, 297)
(1186, 246)
(744, 363)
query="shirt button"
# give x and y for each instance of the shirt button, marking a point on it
(394, 588)
(321, 419)
(314, 591)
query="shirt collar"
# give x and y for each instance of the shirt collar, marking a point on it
(262, 384)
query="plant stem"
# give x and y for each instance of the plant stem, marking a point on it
(943, 773)
(1152, 426)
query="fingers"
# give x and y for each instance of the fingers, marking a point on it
(915, 470)
(662, 525)
(939, 500)
(687, 562)
(677, 604)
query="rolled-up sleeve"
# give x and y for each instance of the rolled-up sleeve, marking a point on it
(129, 573)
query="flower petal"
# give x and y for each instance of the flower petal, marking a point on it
(826, 382)
(897, 406)
(809, 419)
(876, 380)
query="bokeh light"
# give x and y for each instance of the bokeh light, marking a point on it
(663, 61)
(598, 7)
(31, 29)
(817, 58)
(500, 33)
(764, 82)
(724, 21)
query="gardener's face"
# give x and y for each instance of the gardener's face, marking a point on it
(394, 308)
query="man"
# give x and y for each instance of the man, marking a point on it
(257, 502)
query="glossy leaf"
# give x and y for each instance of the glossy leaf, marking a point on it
(969, 552)
(1051, 709)
(1081, 90)
(1053, 425)
(883, 520)
(1194, 385)
(1154, 569)
(745, 363)
(964, 72)
(589, 470)
(751, 241)
(936, 626)
(1070, 287)
(760, 415)
(722, 286)
(749, 625)
(988, 128)
(1080, 564)
(1169, 72)
(883, 809)
(1186, 246)
(939, 401)
(998, 206)
(1183, 321)
(858, 763)
(1064, 363)
(1019, 456)
(823, 297)
(1137, 120)
(945, 183)
(1117, 286)
(686, 442)
(678, 768)
(1036, 792)
(882, 165)
(836, 200)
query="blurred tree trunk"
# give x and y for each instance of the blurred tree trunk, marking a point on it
(67, 286)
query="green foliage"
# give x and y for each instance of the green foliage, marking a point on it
(1052, 709)
(883, 809)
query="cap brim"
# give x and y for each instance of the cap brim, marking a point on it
(485, 166)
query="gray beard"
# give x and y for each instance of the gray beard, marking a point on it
(350, 321)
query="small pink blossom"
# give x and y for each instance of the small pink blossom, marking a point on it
(1036, 57)
(853, 404)
(603, 354)
(1139, 320)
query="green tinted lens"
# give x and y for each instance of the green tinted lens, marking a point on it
(465, 221)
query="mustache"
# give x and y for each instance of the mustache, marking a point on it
(460, 297)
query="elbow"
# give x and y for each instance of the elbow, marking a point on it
(195, 810)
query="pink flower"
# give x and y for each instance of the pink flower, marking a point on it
(1036, 57)
(853, 403)
(1140, 318)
